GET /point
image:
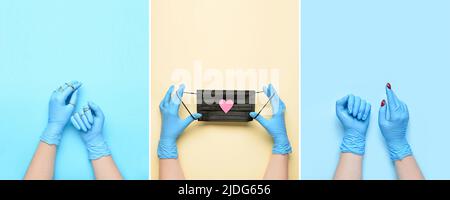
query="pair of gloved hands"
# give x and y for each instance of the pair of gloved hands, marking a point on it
(173, 126)
(393, 117)
(90, 120)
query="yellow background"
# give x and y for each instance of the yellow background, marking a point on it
(223, 34)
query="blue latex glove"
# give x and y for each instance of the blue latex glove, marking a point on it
(83, 120)
(90, 120)
(275, 125)
(61, 105)
(172, 125)
(393, 120)
(354, 114)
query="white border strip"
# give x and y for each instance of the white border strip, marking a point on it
(300, 89)
(149, 89)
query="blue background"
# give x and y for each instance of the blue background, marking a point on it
(102, 43)
(354, 46)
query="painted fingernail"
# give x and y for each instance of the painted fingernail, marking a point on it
(383, 103)
(388, 85)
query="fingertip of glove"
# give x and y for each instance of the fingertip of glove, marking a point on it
(252, 114)
(197, 115)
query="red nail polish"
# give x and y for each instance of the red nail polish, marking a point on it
(388, 85)
(383, 103)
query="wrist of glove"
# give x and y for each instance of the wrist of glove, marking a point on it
(167, 149)
(398, 148)
(96, 145)
(52, 134)
(281, 144)
(353, 142)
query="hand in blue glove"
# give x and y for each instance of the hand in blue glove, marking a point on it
(354, 114)
(90, 120)
(275, 125)
(172, 125)
(393, 120)
(61, 105)
(83, 120)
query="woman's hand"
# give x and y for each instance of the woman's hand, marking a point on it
(61, 105)
(354, 114)
(172, 125)
(276, 125)
(90, 120)
(393, 120)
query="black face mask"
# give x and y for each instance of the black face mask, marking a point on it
(225, 105)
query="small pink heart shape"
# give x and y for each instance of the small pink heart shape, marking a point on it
(226, 105)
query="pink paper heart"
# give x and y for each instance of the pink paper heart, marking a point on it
(226, 105)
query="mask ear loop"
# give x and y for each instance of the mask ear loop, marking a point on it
(184, 105)
(270, 98)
